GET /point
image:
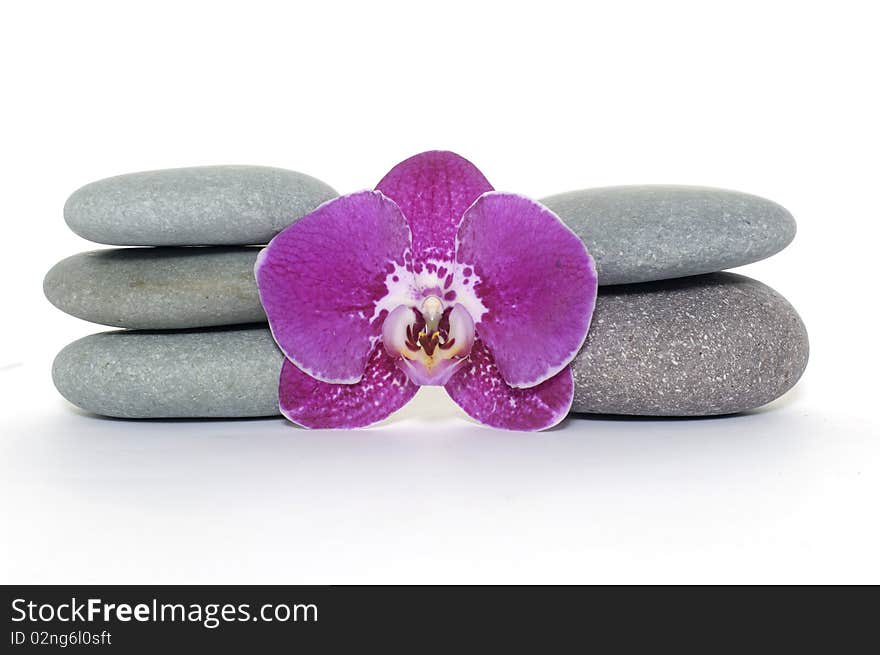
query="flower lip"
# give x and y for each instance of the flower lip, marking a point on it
(430, 342)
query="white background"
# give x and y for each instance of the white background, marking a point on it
(777, 99)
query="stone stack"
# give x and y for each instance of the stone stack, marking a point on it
(671, 335)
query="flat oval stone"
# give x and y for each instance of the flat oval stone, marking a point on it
(713, 344)
(158, 288)
(225, 373)
(698, 346)
(210, 205)
(646, 233)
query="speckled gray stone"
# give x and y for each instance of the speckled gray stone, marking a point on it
(698, 346)
(210, 205)
(158, 288)
(645, 233)
(213, 373)
(712, 344)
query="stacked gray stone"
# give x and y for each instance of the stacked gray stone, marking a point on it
(671, 335)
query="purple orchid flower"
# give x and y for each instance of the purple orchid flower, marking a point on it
(431, 279)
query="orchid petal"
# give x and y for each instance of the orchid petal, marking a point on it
(535, 280)
(326, 283)
(308, 402)
(437, 376)
(483, 394)
(433, 190)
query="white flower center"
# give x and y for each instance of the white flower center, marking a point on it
(432, 342)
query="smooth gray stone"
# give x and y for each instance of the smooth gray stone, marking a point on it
(646, 233)
(713, 344)
(219, 373)
(210, 205)
(698, 346)
(158, 288)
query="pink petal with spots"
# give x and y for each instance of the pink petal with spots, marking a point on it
(480, 391)
(308, 402)
(536, 281)
(322, 279)
(433, 190)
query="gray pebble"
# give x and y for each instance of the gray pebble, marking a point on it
(210, 205)
(698, 346)
(158, 288)
(645, 233)
(713, 344)
(225, 373)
